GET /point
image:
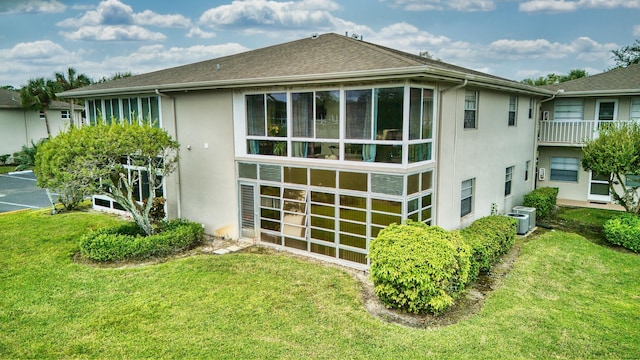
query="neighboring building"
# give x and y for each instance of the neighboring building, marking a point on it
(20, 127)
(316, 145)
(572, 117)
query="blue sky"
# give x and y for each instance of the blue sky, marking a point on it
(515, 39)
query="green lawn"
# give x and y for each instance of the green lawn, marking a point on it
(565, 297)
(5, 169)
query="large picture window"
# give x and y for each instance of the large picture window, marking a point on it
(141, 110)
(564, 169)
(365, 125)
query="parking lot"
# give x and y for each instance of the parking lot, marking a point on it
(19, 191)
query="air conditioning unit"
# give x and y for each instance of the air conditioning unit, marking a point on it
(525, 210)
(542, 174)
(523, 222)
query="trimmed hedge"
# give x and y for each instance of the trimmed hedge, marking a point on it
(624, 231)
(488, 238)
(543, 199)
(418, 268)
(127, 242)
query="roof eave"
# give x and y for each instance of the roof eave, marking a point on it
(587, 93)
(425, 71)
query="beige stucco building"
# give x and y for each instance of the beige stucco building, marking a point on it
(573, 116)
(20, 127)
(315, 145)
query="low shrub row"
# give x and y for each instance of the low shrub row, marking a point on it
(488, 238)
(127, 242)
(543, 199)
(624, 231)
(420, 268)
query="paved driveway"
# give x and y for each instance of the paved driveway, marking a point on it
(19, 191)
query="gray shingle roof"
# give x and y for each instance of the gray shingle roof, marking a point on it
(11, 100)
(625, 79)
(322, 57)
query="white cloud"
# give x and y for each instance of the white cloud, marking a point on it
(252, 15)
(409, 38)
(569, 5)
(636, 31)
(459, 5)
(196, 32)
(113, 20)
(39, 51)
(31, 6)
(149, 17)
(114, 33)
(583, 48)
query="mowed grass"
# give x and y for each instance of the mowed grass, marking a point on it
(5, 169)
(564, 298)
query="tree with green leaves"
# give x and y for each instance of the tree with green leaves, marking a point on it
(115, 160)
(553, 79)
(616, 152)
(38, 95)
(627, 55)
(71, 80)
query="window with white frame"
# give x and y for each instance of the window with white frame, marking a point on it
(471, 109)
(508, 180)
(635, 109)
(513, 110)
(531, 104)
(564, 169)
(527, 166)
(64, 114)
(568, 110)
(41, 115)
(466, 197)
(141, 109)
(359, 124)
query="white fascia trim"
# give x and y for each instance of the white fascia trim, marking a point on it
(599, 93)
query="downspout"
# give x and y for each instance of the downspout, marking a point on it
(455, 136)
(175, 130)
(536, 133)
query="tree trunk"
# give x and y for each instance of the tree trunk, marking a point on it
(46, 121)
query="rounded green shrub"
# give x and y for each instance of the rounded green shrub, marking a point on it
(418, 268)
(128, 242)
(543, 199)
(624, 231)
(488, 238)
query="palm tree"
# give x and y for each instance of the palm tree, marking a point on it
(71, 81)
(38, 95)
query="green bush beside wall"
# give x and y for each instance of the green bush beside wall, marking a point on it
(543, 199)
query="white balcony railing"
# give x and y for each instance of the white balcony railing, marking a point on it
(571, 132)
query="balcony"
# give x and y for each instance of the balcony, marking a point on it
(571, 133)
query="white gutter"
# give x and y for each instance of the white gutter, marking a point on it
(600, 92)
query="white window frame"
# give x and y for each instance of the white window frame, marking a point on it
(634, 109)
(513, 111)
(508, 181)
(466, 193)
(471, 106)
(65, 114)
(568, 110)
(562, 163)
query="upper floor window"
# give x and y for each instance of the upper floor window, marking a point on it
(635, 109)
(531, 104)
(127, 109)
(267, 115)
(41, 115)
(316, 114)
(64, 114)
(513, 110)
(374, 114)
(420, 114)
(568, 110)
(470, 109)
